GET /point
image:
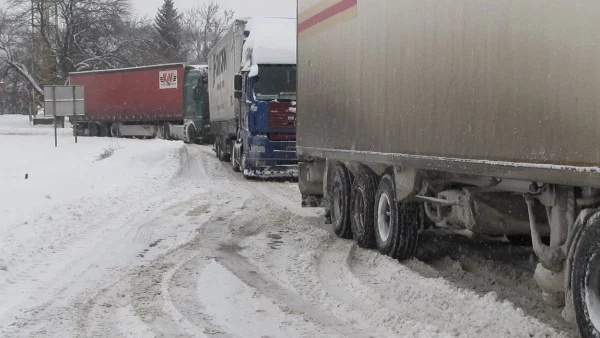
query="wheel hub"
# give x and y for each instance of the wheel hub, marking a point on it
(383, 217)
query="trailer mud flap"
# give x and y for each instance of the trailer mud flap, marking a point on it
(310, 182)
(408, 183)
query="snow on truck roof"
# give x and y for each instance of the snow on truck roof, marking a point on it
(270, 41)
(131, 68)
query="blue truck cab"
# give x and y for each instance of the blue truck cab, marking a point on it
(252, 89)
(266, 144)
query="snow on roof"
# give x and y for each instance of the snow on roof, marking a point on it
(130, 68)
(270, 41)
(199, 67)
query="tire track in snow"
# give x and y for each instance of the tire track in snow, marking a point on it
(215, 235)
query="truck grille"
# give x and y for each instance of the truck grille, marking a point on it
(282, 137)
(282, 115)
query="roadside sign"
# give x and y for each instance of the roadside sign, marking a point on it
(64, 100)
(61, 101)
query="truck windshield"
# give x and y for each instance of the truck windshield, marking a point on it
(276, 82)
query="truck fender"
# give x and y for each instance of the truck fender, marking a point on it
(408, 182)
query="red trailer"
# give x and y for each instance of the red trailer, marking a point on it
(142, 101)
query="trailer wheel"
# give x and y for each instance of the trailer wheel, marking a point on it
(217, 146)
(364, 189)
(104, 131)
(191, 134)
(222, 150)
(585, 280)
(166, 129)
(340, 192)
(94, 129)
(235, 163)
(396, 224)
(243, 166)
(114, 130)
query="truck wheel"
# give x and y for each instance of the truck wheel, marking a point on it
(222, 151)
(234, 160)
(219, 149)
(243, 166)
(585, 280)
(364, 189)
(340, 192)
(217, 146)
(396, 224)
(94, 130)
(166, 132)
(191, 134)
(104, 131)
(114, 130)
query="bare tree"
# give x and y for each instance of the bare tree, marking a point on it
(13, 50)
(78, 35)
(203, 27)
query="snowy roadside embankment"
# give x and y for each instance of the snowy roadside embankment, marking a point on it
(50, 197)
(20, 125)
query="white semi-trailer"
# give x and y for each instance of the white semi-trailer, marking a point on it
(477, 116)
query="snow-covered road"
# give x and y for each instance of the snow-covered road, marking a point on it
(163, 240)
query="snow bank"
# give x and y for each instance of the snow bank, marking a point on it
(20, 125)
(48, 195)
(270, 41)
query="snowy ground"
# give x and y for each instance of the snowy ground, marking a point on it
(160, 239)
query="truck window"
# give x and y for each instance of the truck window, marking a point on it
(276, 82)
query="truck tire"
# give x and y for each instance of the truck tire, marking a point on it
(222, 151)
(191, 134)
(104, 130)
(114, 130)
(94, 130)
(235, 163)
(166, 129)
(396, 224)
(219, 149)
(585, 280)
(217, 146)
(340, 193)
(243, 167)
(362, 216)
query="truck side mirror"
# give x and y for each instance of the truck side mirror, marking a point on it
(237, 83)
(237, 94)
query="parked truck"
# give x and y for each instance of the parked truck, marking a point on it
(477, 117)
(253, 97)
(168, 101)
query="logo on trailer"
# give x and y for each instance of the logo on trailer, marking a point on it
(167, 79)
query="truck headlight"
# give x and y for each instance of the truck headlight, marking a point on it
(258, 149)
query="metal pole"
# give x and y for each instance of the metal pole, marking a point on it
(54, 114)
(31, 105)
(74, 114)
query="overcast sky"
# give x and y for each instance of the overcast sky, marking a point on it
(243, 8)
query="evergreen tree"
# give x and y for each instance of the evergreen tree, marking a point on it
(168, 32)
